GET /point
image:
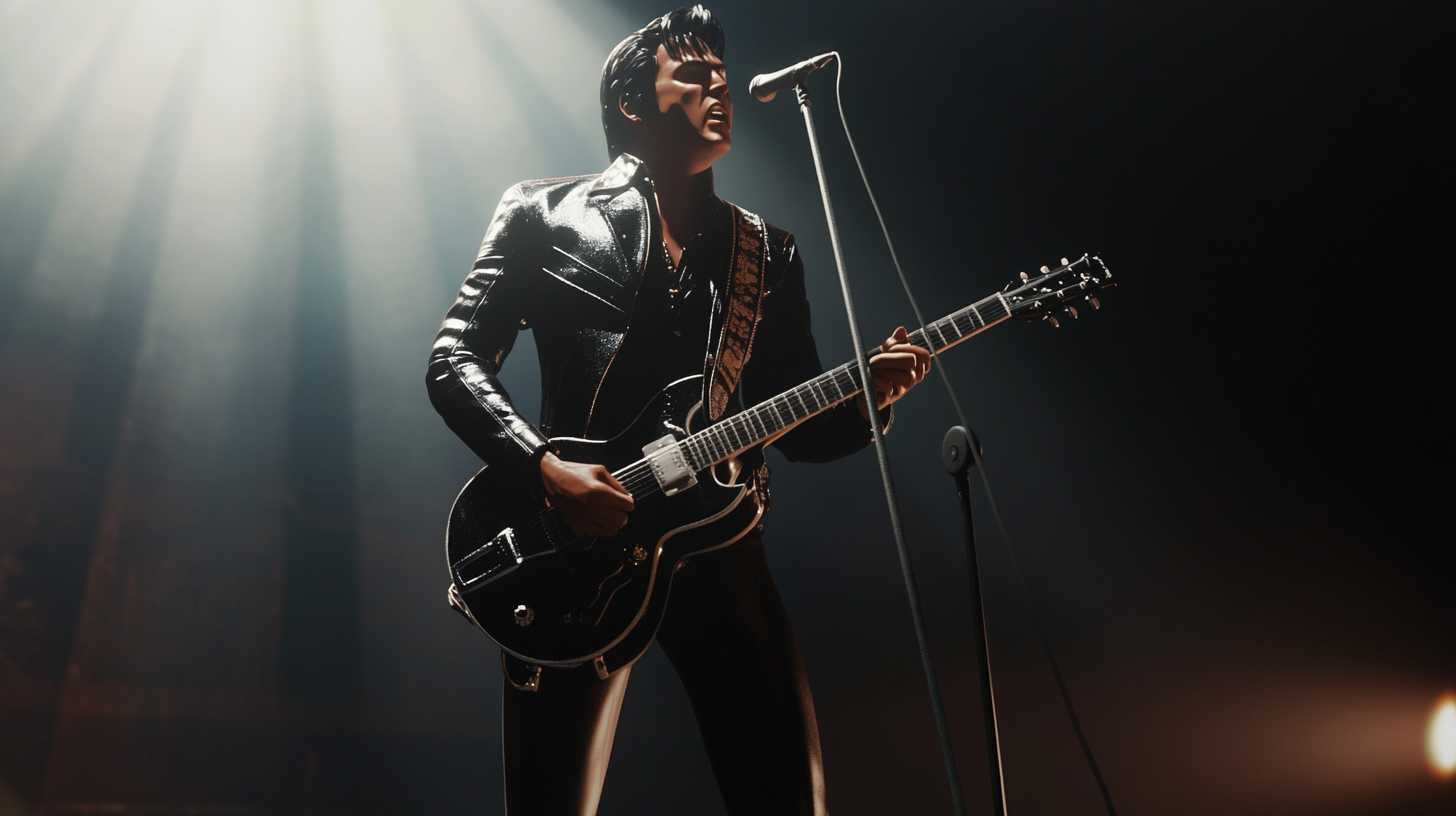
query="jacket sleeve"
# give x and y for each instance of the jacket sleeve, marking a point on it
(477, 334)
(784, 355)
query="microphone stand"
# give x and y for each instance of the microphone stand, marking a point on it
(882, 454)
(957, 456)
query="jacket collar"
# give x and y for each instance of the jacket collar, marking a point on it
(619, 176)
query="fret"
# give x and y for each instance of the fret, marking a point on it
(811, 387)
(730, 436)
(750, 431)
(768, 418)
(737, 439)
(713, 436)
(1004, 305)
(823, 398)
(940, 332)
(838, 392)
(756, 419)
(783, 410)
(810, 400)
(742, 433)
(795, 393)
(725, 435)
(697, 451)
(752, 427)
(817, 388)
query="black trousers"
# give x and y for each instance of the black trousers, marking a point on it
(728, 636)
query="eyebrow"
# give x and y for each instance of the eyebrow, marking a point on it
(696, 60)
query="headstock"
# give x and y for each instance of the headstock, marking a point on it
(1049, 295)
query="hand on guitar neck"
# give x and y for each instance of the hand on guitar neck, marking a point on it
(899, 367)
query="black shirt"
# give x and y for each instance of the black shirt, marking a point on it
(668, 339)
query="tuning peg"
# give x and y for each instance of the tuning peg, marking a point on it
(1092, 299)
(1073, 312)
(1025, 277)
(1055, 324)
(1064, 262)
(1045, 270)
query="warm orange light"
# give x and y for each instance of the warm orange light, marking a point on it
(1441, 737)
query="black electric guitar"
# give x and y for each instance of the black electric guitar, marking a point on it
(551, 598)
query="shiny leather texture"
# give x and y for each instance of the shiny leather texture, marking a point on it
(564, 257)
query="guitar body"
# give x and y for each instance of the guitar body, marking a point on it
(551, 600)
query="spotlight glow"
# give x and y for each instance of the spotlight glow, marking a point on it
(1441, 737)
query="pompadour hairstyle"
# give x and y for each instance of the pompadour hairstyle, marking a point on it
(631, 68)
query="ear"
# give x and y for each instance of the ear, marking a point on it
(628, 108)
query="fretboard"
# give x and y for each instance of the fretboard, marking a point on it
(742, 431)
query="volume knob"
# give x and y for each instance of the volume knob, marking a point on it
(524, 615)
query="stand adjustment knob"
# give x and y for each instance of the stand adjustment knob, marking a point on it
(955, 451)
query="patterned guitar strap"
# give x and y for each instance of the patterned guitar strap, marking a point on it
(744, 302)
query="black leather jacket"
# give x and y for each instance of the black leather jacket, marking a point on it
(564, 257)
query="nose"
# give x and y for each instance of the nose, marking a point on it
(718, 85)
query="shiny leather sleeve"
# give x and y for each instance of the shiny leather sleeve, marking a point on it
(784, 355)
(477, 334)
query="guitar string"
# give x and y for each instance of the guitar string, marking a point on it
(777, 413)
(718, 442)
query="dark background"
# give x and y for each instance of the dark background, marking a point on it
(227, 233)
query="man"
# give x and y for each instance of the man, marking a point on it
(630, 280)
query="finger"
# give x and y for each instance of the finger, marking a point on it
(899, 337)
(604, 496)
(895, 359)
(603, 524)
(901, 378)
(605, 478)
(611, 521)
(926, 359)
(922, 357)
(907, 348)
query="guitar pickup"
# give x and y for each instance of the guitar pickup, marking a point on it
(669, 466)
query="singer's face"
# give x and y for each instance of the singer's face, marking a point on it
(698, 84)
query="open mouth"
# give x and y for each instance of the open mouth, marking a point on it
(717, 114)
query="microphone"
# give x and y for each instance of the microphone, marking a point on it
(765, 86)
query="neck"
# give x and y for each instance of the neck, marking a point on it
(683, 200)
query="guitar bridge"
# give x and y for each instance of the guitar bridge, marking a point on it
(498, 556)
(669, 466)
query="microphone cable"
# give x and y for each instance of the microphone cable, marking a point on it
(975, 451)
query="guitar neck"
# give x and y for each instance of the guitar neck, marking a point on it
(770, 418)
